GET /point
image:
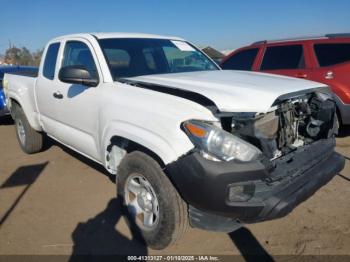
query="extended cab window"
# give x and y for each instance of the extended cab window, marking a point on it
(50, 61)
(78, 53)
(332, 54)
(283, 57)
(242, 60)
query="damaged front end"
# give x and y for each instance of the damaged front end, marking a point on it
(295, 140)
(290, 124)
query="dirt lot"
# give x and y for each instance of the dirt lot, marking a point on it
(57, 202)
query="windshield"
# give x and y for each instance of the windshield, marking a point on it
(129, 57)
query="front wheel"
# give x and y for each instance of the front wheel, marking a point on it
(338, 125)
(29, 139)
(154, 206)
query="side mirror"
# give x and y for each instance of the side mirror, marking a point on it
(77, 75)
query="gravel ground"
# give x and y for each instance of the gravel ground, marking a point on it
(57, 202)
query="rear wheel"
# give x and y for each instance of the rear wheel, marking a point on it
(154, 207)
(29, 139)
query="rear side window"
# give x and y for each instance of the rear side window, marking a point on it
(242, 60)
(50, 61)
(332, 54)
(283, 57)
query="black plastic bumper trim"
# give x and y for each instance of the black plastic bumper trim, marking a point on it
(203, 183)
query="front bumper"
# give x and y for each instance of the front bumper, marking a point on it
(205, 184)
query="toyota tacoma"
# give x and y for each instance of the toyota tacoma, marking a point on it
(189, 143)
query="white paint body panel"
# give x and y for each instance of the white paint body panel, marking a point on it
(86, 122)
(234, 91)
(21, 89)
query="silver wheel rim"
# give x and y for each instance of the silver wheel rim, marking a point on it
(21, 132)
(141, 201)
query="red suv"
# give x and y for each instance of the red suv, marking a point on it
(324, 59)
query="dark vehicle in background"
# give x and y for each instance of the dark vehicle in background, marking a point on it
(324, 59)
(10, 69)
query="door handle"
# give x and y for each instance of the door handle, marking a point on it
(301, 75)
(57, 95)
(329, 75)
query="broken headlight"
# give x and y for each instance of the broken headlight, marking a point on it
(217, 144)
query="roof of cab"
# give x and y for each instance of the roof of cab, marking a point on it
(118, 35)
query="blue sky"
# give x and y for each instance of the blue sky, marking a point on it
(221, 24)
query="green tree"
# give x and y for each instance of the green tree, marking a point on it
(37, 56)
(12, 55)
(25, 57)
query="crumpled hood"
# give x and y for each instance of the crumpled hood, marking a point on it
(233, 91)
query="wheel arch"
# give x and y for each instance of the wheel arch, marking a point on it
(131, 146)
(31, 116)
(129, 137)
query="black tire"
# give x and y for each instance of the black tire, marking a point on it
(173, 214)
(338, 123)
(33, 140)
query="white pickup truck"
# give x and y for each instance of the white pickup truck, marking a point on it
(189, 143)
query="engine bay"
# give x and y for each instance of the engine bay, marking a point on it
(292, 123)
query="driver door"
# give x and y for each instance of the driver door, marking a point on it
(77, 105)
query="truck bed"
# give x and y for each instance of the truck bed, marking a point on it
(29, 72)
(21, 87)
